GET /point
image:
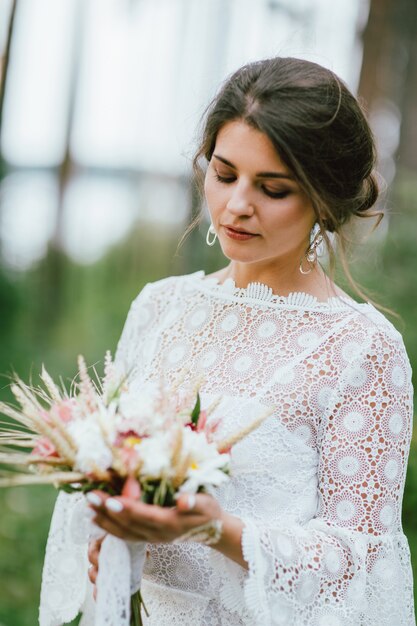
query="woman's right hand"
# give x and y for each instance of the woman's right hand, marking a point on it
(93, 554)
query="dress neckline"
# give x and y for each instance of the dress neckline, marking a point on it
(260, 293)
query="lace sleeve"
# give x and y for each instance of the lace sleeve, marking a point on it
(65, 586)
(137, 320)
(349, 564)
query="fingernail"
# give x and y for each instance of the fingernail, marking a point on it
(94, 499)
(114, 505)
(191, 501)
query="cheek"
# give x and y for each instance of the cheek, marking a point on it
(293, 214)
(213, 194)
(289, 225)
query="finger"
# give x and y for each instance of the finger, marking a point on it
(195, 503)
(128, 512)
(186, 502)
(149, 522)
(112, 527)
(96, 499)
(92, 574)
(93, 555)
(131, 488)
(94, 550)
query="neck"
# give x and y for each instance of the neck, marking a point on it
(283, 280)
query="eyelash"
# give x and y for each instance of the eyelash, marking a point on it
(279, 195)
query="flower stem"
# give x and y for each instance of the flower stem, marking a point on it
(136, 603)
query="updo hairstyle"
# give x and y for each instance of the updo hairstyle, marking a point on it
(320, 132)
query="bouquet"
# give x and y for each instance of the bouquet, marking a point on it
(102, 434)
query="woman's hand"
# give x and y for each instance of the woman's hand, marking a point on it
(136, 521)
(128, 518)
(93, 554)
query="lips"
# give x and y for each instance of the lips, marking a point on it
(239, 230)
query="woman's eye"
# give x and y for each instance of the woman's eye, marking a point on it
(275, 194)
(268, 192)
(224, 179)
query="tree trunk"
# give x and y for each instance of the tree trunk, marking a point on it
(388, 82)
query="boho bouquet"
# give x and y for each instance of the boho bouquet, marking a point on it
(102, 434)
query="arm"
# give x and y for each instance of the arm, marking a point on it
(351, 559)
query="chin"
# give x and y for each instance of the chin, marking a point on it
(240, 256)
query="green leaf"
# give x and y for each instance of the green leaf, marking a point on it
(195, 414)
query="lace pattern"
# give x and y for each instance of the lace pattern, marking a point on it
(64, 580)
(319, 485)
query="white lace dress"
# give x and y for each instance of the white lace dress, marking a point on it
(318, 486)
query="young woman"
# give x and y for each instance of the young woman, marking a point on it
(308, 530)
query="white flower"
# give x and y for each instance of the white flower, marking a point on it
(140, 410)
(208, 474)
(155, 452)
(107, 420)
(198, 447)
(92, 451)
(207, 463)
(133, 405)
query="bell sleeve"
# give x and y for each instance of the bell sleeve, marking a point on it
(349, 564)
(66, 589)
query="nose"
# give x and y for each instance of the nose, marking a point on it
(240, 201)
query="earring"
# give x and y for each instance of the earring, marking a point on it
(314, 250)
(211, 231)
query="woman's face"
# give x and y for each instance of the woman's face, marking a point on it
(258, 210)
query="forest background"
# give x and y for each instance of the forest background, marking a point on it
(69, 292)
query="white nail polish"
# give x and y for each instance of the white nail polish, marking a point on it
(114, 505)
(94, 499)
(191, 501)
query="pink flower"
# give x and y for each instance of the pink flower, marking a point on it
(203, 427)
(44, 448)
(212, 428)
(65, 410)
(202, 421)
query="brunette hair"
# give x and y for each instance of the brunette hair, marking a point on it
(318, 129)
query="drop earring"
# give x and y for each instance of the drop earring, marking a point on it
(315, 248)
(211, 231)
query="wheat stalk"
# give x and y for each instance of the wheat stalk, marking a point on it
(182, 470)
(177, 449)
(86, 385)
(213, 406)
(50, 385)
(30, 418)
(57, 478)
(58, 439)
(16, 415)
(26, 398)
(227, 443)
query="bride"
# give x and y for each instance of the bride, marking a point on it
(308, 530)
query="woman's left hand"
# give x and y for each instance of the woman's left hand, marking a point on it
(134, 520)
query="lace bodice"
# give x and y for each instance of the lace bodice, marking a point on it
(318, 486)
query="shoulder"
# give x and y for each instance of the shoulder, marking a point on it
(372, 341)
(371, 322)
(164, 289)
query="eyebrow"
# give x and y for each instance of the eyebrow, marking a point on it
(259, 174)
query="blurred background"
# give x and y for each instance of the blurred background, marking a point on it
(100, 102)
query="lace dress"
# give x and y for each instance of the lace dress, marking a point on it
(318, 486)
